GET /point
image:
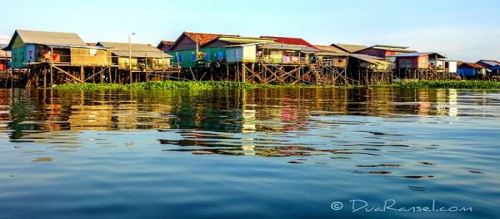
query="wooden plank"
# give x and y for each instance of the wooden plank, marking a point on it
(68, 74)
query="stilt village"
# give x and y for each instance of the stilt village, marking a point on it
(40, 59)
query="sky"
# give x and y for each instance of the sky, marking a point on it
(460, 29)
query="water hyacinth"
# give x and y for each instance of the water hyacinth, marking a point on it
(451, 84)
(191, 85)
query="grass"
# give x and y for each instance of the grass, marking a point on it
(188, 85)
(448, 84)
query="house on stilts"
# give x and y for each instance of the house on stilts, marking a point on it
(141, 62)
(470, 70)
(492, 67)
(48, 58)
(417, 65)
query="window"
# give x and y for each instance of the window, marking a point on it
(193, 57)
(180, 57)
(207, 56)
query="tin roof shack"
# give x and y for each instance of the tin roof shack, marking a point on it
(63, 49)
(492, 66)
(429, 60)
(4, 58)
(332, 56)
(165, 46)
(287, 50)
(471, 70)
(373, 63)
(244, 49)
(348, 48)
(199, 49)
(384, 51)
(144, 57)
(365, 69)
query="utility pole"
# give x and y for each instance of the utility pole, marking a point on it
(130, 56)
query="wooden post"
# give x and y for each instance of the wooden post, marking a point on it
(45, 77)
(101, 75)
(82, 74)
(109, 75)
(211, 73)
(192, 73)
(243, 72)
(51, 76)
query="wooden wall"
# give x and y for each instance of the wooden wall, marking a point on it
(90, 57)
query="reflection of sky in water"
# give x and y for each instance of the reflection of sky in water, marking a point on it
(241, 148)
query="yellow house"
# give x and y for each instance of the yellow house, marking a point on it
(141, 57)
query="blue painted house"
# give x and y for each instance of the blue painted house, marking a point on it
(471, 70)
(492, 66)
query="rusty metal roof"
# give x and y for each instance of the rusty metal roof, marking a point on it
(331, 49)
(470, 64)
(290, 41)
(350, 48)
(138, 50)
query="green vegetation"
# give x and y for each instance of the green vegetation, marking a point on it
(165, 85)
(455, 84)
(208, 85)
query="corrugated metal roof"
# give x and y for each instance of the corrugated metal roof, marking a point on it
(331, 49)
(138, 50)
(200, 38)
(370, 59)
(48, 38)
(350, 48)
(244, 40)
(391, 46)
(417, 54)
(281, 46)
(290, 41)
(470, 64)
(490, 62)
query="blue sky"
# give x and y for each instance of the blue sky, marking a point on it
(461, 29)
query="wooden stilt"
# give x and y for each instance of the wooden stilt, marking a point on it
(243, 73)
(82, 74)
(44, 77)
(101, 76)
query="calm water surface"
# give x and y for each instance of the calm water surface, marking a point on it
(277, 153)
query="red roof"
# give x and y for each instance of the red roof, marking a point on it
(202, 38)
(470, 64)
(290, 41)
(167, 43)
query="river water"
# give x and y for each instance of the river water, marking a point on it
(263, 153)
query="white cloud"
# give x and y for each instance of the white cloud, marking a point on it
(4, 39)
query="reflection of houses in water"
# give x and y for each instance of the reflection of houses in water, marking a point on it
(438, 102)
(424, 104)
(453, 102)
(119, 114)
(97, 117)
(441, 102)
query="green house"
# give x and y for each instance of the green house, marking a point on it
(199, 49)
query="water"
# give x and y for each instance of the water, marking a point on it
(277, 153)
